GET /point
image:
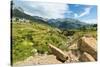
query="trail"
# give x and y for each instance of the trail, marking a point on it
(46, 59)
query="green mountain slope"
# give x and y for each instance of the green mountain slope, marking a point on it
(19, 13)
(29, 39)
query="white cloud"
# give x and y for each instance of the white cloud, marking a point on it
(86, 12)
(75, 15)
(46, 10)
(93, 21)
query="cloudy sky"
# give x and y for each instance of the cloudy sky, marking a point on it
(86, 13)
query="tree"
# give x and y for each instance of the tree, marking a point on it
(83, 28)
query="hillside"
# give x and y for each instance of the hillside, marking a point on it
(28, 39)
(67, 23)
(19, 13)
(32, 38)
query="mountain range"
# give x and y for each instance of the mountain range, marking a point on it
(62, 23)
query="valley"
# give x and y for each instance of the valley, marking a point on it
(31, 35)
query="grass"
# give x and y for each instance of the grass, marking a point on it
(27, 39)
(31, 38)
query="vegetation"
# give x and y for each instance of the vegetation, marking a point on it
(29, 38)
(32, 34)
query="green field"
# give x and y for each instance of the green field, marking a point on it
(28, 39)
(31, 38)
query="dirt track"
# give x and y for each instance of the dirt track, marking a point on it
(39, 60)
(46, 59)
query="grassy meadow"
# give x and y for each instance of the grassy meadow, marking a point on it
(33, 38)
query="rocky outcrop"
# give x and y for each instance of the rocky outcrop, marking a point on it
(72, 56)
(58, 53)
(86, 51)
(88, 44)
(86, 57)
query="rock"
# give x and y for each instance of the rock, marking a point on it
(72, 57)
(58, 53)
(73, 46)
(86, 57)
(88, 44)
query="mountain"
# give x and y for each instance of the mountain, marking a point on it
(19, 13)
(66, 23)
(62, 23)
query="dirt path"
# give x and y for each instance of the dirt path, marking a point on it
(39, 60)
(46, 59)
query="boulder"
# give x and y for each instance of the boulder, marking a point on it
(89, 45)
(58, 53)
(86, 57)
